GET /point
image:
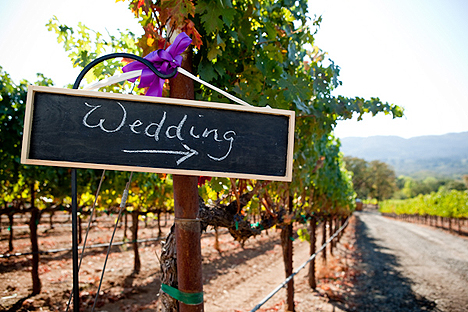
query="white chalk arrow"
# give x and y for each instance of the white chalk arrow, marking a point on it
(187, 154)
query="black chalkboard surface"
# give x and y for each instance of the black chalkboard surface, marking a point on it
(83, 129)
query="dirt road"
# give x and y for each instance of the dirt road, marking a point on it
(409, 267)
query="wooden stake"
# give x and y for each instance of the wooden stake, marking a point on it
(186, 205)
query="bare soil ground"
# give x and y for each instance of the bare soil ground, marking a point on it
(235, 280)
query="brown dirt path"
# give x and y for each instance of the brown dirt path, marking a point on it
(243, 286)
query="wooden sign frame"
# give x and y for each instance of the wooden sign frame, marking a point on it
(37, 104)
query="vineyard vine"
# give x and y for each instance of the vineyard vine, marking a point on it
(451, 206)
(260, 51)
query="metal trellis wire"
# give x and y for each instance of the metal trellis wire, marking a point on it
(268, 297)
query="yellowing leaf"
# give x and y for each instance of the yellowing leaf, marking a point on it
(149, 41)
(213, 53)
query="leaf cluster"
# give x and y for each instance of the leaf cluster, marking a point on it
(443, 203)
(85, 45)
(262, 51)
(374, 179)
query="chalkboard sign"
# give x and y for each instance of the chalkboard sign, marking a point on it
(86, 129)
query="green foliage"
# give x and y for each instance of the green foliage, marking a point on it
(12, 107)
(150, 191)
(261, 51)
(409, 187)
(361, 177)
(85, 45)
(450, 204)
(257, 52)
(303, 235)
(373, 179)
(383, 180)
(15, 178)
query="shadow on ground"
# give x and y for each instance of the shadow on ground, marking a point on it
(380, 286)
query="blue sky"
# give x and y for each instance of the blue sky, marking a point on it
(410, 53)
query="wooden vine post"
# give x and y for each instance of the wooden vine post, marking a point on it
(289, 264)
(187, 226)
(313, 242)
(33, 224)
(324, 238)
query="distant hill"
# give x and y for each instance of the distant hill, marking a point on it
(434, 155)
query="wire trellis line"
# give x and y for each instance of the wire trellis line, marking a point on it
(270, 295)
(45, 252)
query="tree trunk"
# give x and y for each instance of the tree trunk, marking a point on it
(335, 229)
(136, 262)
(341, 221)
(168, 265)
(330, 234)
(33, 222)
(159, 224)
(51, 220)
(216, 244)
(10, 228)
(324, 239)
(287, 244)
(313, 242)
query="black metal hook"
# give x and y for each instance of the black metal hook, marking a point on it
(88, 67)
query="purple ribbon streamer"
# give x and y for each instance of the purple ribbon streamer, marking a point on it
(164, 60)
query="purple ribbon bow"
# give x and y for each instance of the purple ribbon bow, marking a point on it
(164, 60)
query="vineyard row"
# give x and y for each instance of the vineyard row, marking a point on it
(458, 225)
(445, 204)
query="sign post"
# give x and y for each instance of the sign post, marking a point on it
(186, 206)
(187, 234)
